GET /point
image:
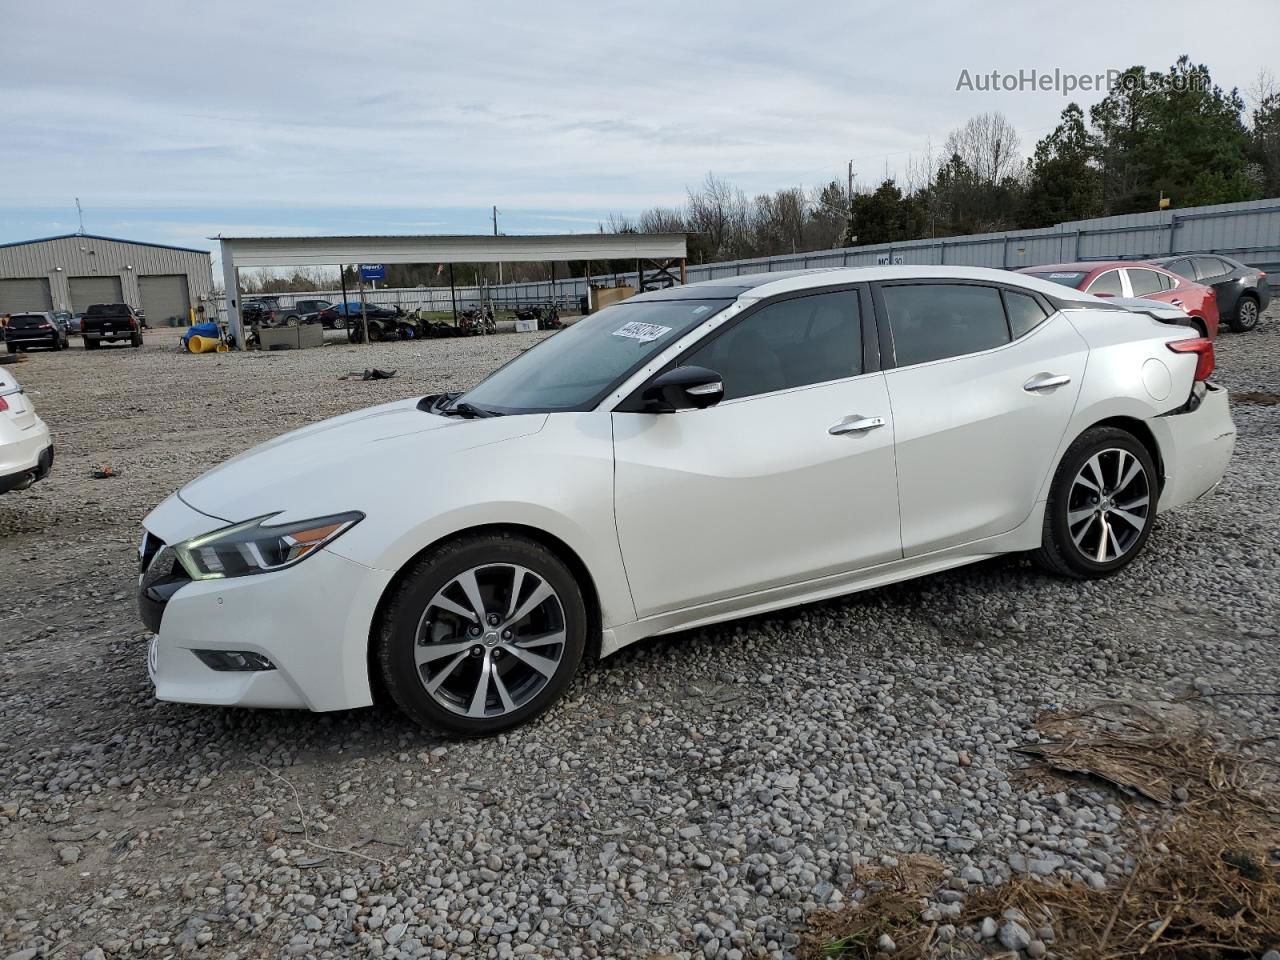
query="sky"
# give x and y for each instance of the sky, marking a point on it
(174, 122)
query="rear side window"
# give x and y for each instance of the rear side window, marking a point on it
(934, 321)
(1182, 268)
(1108, 283)
(1208, 268)
(1145, 282)
(793, 343)
(1024, 312)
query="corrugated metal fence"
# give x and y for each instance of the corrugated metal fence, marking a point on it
(1248, 231)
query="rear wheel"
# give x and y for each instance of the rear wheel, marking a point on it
(136, 340)
(485, 633)
(1101, 507)
(1245, 316)
(90, 344)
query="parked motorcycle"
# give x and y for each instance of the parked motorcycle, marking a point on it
(477, 321)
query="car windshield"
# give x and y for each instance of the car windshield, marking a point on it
(577, 367)
(1068, 278)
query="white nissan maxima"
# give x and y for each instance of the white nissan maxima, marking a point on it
(685, 457)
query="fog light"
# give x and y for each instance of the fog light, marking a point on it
(233, 660)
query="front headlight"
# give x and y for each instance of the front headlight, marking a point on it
(253, 547)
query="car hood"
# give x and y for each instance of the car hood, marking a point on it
(345, 463)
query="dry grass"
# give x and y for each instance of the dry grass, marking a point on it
(1206, 884)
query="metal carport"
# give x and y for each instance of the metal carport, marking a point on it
(664, 251)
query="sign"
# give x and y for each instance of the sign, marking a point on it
(373, 271)
(882, 259)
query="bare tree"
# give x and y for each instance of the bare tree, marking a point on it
(989, 146)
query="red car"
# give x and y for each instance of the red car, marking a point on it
(1133, 278)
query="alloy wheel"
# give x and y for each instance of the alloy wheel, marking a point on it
(490, 640)
(1248, 313)
(1109, 505)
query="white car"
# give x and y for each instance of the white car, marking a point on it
(684, 457)
(26, 450)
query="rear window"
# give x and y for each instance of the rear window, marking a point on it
(108, 310)
(26, 321)
(1068, 278)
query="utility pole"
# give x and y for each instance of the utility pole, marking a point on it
(849, 235)
(364, 313)
(495, 233)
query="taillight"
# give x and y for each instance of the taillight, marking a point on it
(1203, 349)
(4, 404)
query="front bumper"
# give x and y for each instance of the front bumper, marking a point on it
(1196, 447)
(311, 621)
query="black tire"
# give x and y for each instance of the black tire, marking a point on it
(91, 344)
(1245, 316)
(1059, 552)
(397, 633)
(136, 341)
(12, 348)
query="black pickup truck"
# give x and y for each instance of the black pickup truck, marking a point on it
(109, 322)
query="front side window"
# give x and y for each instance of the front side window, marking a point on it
(788, 344)
(576, 368)
(1145, 282)
(934, 321)
(1107, 284)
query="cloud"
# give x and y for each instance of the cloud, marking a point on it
(301, 116)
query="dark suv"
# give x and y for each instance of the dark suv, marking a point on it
(109, 322)
(27, 330)
(1241, 291)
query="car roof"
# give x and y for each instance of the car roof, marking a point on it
(1081, 266)
(760, 285)
(1187, 256)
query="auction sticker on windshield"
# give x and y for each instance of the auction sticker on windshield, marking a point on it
(644, 332)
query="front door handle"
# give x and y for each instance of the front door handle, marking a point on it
(1046, 381)
(855, 424)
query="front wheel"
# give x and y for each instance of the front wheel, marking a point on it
(1245, 316)
(1101, 507)
(484, 633)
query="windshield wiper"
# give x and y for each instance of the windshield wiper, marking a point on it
(470, 410)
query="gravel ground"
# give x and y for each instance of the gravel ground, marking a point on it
(695, 795)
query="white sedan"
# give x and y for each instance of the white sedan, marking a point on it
(26, 450)
(684, 457)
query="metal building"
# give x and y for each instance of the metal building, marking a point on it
(73, 271)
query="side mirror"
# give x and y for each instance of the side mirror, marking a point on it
(683, 388)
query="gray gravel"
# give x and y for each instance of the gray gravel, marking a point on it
(699, 795)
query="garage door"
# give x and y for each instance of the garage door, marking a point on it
(164, 297)
(22, 296)
(86, 291)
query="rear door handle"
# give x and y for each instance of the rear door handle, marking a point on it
(855, 424)
(1046, 381)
